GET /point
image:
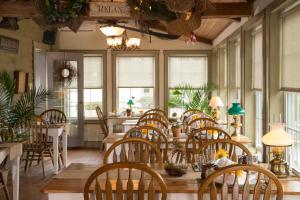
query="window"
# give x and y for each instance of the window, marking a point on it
(222, 64)
(93, 85)
(237, 67)
(189, 69)
(135, 78)
(71, 101)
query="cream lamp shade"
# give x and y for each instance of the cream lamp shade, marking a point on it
(277, 136)
(112, 31)
(216, 102)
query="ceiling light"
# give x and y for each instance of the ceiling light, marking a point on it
(111, 31)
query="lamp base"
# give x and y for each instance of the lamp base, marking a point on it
(279, 167)
(236, 125)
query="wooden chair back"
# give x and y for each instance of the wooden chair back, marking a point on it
(38, 133)
(102, 121)
(157, 123)
(189, 118)
(154, 116)
(109, 182)
(200, 123)
(54, 116)
(153, 135)
(199, 137)
(233, 148)
(190, 112)
(157, 111)
(133, 150)
(266, 184)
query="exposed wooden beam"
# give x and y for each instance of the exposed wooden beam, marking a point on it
(26, 9)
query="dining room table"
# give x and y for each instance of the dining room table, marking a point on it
(69, 184)
(112, 120)
(14, 152)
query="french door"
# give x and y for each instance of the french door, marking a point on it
(67, 97)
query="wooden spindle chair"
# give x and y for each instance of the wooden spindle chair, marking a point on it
(200, 123)
(37, 145)
(154, 116)
(266, 184)
(157, 123)
(3, 178)
(133, 150)
(199, 137)
(52, 117)
(157, 111)
(109, 182)
(233, 148)
(103, 125)
(190, 112)
(153, 135)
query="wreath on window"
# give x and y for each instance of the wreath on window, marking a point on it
(66, 73)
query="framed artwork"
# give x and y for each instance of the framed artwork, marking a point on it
(21, 81)
(9, 45)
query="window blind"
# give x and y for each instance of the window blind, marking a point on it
(135, 72)
(187, 70)
(93, 72)
(257, 61)
(290, 64)
(223, 67)
(238, 64)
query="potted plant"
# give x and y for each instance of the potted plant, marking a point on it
(130, 103)
(17, 109)
(176, 129)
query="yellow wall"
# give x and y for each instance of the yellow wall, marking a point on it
(23, 61)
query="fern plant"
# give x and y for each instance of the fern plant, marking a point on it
(188, 97)
(17, 109)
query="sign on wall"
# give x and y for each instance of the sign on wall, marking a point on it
(9, 45)
(109, 9)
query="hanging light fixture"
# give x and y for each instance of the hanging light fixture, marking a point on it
(112, 31)
(123, 43)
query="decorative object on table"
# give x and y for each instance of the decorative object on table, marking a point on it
(61, 13)
(21, 79)
(176, 163)
(176, 129)
(215, 103)
(277, 139)
(9, 45)
(130, 103)
(186, 96)
(176, 169)
(16, 110)
(236, 110)
(66, 73)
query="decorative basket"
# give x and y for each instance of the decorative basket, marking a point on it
(176, 169)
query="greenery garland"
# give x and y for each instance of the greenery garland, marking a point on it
(63, 11)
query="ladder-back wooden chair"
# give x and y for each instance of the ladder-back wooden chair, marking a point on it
(153, 135)
(199, 137)
(103, 125)
(157, 111)
(37, 145)
(133, 150)
(190, 112)
(157, 123)
(265, 186)
(110, 181)
(3, 177)
(233, 148)
(154, 116)
(200, 123)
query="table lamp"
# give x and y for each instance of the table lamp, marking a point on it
(215, 103)
(278, 139)
(236, 110)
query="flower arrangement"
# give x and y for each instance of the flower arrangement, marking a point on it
(222, 153)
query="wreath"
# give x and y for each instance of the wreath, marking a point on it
(66, 73)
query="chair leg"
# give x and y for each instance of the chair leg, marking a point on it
(51, 155)
(43, 167)
(31, 158)
(4, 186)
(26, 161)
(62, 159)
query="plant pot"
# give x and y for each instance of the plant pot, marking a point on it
(176, 132)
(128, 112)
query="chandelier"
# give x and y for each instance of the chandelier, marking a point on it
(117, 39)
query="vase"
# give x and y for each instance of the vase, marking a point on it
(176, 132)
(128, 112)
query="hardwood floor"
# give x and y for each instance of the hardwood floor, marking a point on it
(33, 181)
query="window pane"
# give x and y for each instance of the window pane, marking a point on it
(135, 72)
(293, 126)
(257, 61)
(187, 70)
(92, 98)
(143, 98)
(93, 72)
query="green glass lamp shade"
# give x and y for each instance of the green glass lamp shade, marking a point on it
(236, 109)
(130, 102)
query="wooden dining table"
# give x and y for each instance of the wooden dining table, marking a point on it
(69, 184)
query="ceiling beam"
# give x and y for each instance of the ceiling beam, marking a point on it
(26, 9)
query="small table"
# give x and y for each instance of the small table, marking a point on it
(128, 124)
(55, 131)
(111, 120)
(14, 150)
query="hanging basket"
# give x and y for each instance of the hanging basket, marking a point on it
(182, 26)
(180, 6)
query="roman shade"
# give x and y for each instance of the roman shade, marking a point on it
(290, 57)
(93, 72)
(135, 72)
(257, 60)
(238, 72)
(187, 70)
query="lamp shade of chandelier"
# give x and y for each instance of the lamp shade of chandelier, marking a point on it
(112, 31)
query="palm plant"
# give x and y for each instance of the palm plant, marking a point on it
(188, 97)
(17, 109)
